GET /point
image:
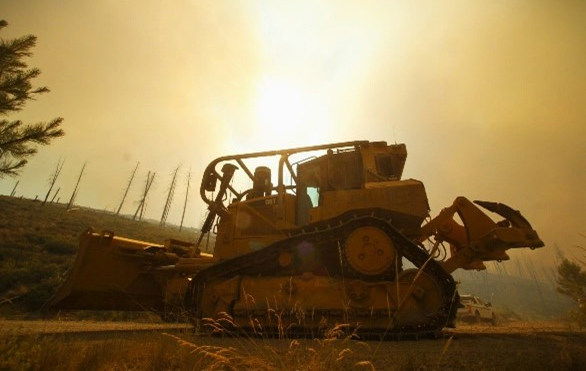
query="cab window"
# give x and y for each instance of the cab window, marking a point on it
(313, 194)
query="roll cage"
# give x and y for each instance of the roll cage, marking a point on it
(211, 174)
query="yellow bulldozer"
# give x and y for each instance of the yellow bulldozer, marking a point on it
(340, 238)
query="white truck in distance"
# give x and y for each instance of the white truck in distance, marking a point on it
(473, 309)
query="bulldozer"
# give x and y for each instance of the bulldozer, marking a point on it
(336, 236)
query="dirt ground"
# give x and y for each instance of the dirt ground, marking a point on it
(519, 345)
(39, 327)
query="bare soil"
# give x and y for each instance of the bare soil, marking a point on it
(40, 327)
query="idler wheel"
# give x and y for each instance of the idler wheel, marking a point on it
(425, 293)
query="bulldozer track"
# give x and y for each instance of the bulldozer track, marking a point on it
(330, 235)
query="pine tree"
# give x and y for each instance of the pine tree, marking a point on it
(17, 140)
(572, 280)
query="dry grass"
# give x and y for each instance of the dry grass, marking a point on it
(525, 346)
(182, 352)
(336, 348)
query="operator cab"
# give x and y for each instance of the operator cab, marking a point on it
(346, 170)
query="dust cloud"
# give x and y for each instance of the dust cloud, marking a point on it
(490, 97)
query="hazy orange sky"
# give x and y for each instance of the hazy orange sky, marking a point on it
(489, 96)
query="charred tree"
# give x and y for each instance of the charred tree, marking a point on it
(74, 194)
(54, 177)
(141, 204)
(185, 203)
(55, 194)
(145, 196)
(169, 199)
(127, 188)
(14, 189)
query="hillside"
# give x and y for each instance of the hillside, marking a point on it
(38, 244)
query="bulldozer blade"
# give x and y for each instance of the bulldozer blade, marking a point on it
(111, 273)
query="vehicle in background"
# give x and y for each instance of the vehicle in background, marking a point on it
(473, 309)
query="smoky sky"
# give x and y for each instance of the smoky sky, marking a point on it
(489, 96)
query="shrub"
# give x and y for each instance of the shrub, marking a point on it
(59, 248)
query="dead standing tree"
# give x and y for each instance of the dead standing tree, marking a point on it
(54, 177)
(145, 196)
(74, 194)
(55, 195)
(127, 188)
(14, 189)
(142, 202)
(169, 198)
(186, 196)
